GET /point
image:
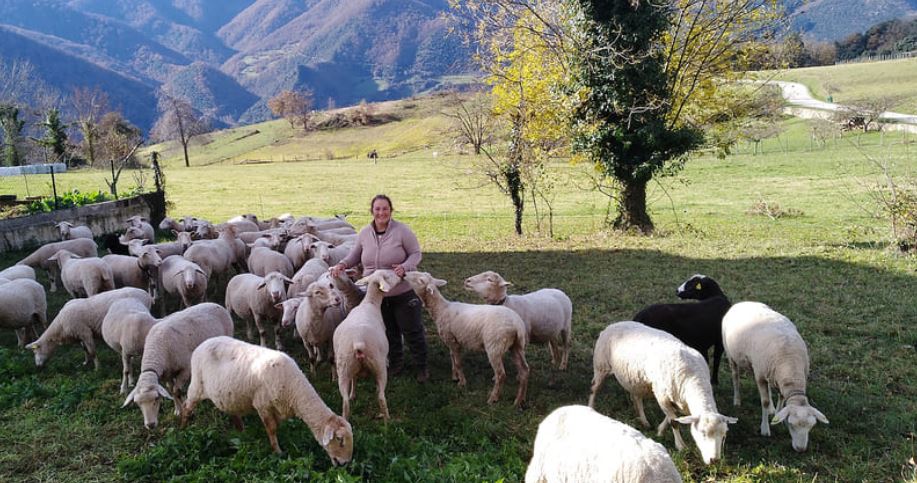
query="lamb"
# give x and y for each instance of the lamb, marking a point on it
(167, 356)
(69, 231)
(182, 277)
(39, 258)
(239, 378)
(699, 325)
(80, 320)
(264, 260)
(757, 337)
(495, 329)
(575, 443)
(255, 298)
(23, 306)
(18, 271)
(649, 361)
(314, 328)
(310, 271)
(83, 277)
(360, 345)
(547, 313)
(124, 329)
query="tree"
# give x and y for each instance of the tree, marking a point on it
(294, 106)
(178, 121)
(89, 105)
(622, 119)
(55, 136)
(12, 134)
(118, 140)
(473, 122)
(506, 171)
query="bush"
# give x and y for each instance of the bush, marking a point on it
(69, 199)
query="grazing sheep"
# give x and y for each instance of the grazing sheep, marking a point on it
(167, 356)
(310, 272)
(264, 260)
(329, 253)
(39, 258)
(184, 278)
(239, 378)
(699, 325)
(649, 361)
(314, 328)
(759, 338)
(493, 329)
(18, 271)
(83, 277)
(575, 443)
(23, 306)
(255, 298)
(80, 320)
(547, 313)
(124, 329)
(69, 231)
(360, 345)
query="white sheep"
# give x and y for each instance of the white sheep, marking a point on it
(69, 231)
(80, 320)
(167, 356)
(493, 329)
(255, 298)
(184, 278)
(124, 329)
(310, 272)
(264, 260)
(83, 277)
(309, 314)
(18, 271)
(297, 250)
(575, 443)
(548, 313)
(138, 245)
(239, 378)
(39, 258)
(128, 271)
(23, 306)
(649, 361)
(360, 345)
(349, 290)
(329, 253)
(758, 338)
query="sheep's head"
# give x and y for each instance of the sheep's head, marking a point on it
(698, 287)
(148, 395)
(135, 246)
(322, 294)
(800, 418)
(168, 224)
(130, 234)
(190, 274)
(288, 308)
(61, 257)
(64, 228)
(489, 285)
(42, 349)
(709, 433)
(385, 280)
(337, 439)
(183, 238)
(149, 257)
(276, 285)
(321, 250)
(423, 283)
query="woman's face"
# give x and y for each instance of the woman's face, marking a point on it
(382, 213)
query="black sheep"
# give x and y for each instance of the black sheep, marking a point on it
(698, 325)
(111, 242)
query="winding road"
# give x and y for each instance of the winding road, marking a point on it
(798, 95)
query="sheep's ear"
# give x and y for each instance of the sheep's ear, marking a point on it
(174, 232)
(439, 282)
(730, 419)
(505, 283)
(687, 419)
(780, 416)
(278, 306)
(260, 286)
(819, 416)
(327, 435)
(200, 271)
(53, 258)
(162, 392)
(130, 398)
(32, 346)
(362, 282)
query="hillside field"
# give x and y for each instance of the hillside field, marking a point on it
(822, 259)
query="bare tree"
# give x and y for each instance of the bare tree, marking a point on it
(89, 105)
(178, 121)
(294, 106)
(473, 122)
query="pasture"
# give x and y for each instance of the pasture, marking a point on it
(826, 265)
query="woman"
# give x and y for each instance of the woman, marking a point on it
(386, 243)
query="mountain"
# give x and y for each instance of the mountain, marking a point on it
(831, 20)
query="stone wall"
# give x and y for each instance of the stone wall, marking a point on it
(108, 217)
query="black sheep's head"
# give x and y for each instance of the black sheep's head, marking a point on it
(698, 287)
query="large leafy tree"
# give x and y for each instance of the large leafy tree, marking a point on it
(12, 134)
(55, 135)
(621, 120)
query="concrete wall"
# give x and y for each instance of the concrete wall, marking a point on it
(107, 217)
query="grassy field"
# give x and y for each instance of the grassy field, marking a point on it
(827, 267)
(892, 79)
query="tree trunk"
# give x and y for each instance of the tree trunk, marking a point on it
(632, 212)
(516, 192)
(184, 146)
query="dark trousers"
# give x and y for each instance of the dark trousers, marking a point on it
(403, 317)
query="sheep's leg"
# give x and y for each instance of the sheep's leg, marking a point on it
(597, 381)
(736, 398)
(270, 425)
(496, 362)
(670, 416)
(278, 340)
(766, 405)
(89, 344)
(237, 423)
(125, 370)
(381, 378)
(457, 373)
(717, 355)
(522, 376)
(344, 387)
(552, 349)
(262, 332)
(565, 349)
(130, 372)
(638, 405)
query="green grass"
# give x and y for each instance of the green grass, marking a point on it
(828, 269)
(869, 80)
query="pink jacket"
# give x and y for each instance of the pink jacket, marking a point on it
(397, 245)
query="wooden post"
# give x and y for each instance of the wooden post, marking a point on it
(54, 187)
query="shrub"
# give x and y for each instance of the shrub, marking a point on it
(772, 210)
(69, 199)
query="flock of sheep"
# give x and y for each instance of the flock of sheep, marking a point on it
(282, 278)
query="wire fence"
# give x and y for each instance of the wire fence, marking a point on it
(878, 58)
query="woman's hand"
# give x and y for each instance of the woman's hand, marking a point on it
(399, 270)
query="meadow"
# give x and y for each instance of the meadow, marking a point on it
(822, 258)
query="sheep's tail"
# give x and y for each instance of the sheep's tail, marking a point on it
(359, 350)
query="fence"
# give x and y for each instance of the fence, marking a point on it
(878, 58)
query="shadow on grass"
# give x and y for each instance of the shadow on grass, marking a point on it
(856, 319)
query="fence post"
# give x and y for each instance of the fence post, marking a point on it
(54, 187)
(114, 181)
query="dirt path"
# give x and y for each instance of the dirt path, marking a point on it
(799, 96)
